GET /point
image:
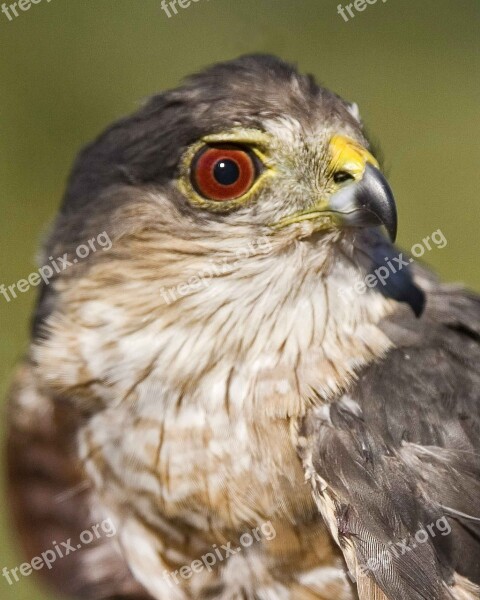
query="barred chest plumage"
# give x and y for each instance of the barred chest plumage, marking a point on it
(203, 479)
(185, 454)
(214, 468)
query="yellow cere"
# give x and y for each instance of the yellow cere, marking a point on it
(346, 155)
(350, 156)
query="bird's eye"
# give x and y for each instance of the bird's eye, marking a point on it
(223, 173)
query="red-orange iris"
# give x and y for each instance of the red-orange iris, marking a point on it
(222, 174)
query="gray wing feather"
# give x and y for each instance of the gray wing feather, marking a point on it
(400, 454)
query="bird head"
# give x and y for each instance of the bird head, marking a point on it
(247, 149)
(220, 198)
(285, 174)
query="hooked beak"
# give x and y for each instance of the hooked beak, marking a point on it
(363, 197)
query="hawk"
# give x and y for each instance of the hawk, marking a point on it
(212, 385)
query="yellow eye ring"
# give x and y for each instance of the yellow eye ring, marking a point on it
(222, 172)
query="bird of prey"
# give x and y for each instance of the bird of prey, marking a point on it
(212, 385)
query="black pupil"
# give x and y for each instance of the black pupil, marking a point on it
(226, 172)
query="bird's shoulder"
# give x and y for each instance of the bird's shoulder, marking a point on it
(399, 453)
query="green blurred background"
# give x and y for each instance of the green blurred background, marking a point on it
(69, 67)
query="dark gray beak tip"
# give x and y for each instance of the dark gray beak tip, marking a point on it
(375, 197)
(393, 234)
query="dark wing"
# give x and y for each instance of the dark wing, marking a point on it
(395, 463)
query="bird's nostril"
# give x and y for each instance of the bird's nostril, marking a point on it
(342, 176)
